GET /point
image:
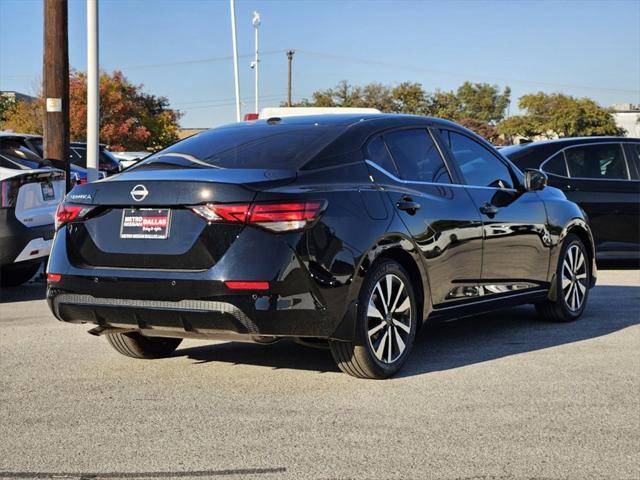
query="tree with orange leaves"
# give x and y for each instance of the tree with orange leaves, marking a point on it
(130, 119)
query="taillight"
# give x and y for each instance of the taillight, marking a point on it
(278, 217)
(53, 277)
(69, 213)
(9, 192)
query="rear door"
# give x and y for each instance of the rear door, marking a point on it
(602, 183)
(514, 222)
(438, 214)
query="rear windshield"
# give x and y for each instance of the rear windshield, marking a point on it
(15, 155)
(246, 146)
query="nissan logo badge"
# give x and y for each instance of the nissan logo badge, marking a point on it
(139, 192)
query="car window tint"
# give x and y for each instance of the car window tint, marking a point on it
(76, 158)
(287, 146)
(379, 154)
(597, 161)
(478, 165)
(555, 165)
(417, 156)
(16, 152)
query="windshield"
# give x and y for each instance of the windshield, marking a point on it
(246, 146)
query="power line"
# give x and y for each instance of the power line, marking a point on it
(456, 74)
(167, 64)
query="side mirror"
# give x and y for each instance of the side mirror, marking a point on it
(534, 180)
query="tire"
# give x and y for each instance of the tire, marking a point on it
(371, 356)
(572, 280)
(134, 345)
(15, 274)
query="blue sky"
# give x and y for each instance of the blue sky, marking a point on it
(181, 48)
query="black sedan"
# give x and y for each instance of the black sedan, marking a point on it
(601, 174)
(354, 230)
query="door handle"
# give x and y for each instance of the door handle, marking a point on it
(408, 205)
(489, 210)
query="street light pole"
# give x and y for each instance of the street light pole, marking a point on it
(234, 41)
(256, 62)
(93, 92)
(290, 59)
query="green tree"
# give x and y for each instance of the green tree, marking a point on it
(479, 106)
(410, 98)
(558, 115)
(480, 102)
(6, 106)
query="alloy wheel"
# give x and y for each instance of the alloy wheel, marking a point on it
(574, 278)
(389, 318)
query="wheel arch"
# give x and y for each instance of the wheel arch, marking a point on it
(580, 228)
(401, 249)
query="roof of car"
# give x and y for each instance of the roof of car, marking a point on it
(341, 119)
(574, 140)
(19, 136)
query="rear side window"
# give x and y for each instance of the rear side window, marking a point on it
(634, 149)
(417, 156)
(379, 154)
(556, 165)
(247, 146)
(605, 161)
(478, 165)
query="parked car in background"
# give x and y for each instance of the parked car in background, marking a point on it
(30, 191)
(351, 229)
(601, 174)
(130, 158)
(31, 146)
(107, 162)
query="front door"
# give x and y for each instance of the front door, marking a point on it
(516, 243)
(601, 182)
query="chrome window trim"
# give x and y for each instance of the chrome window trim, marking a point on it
(562, 150)
(417, 182)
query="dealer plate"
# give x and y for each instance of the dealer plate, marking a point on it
(147, 223)
(47, 191)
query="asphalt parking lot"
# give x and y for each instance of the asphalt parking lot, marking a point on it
(499, 396)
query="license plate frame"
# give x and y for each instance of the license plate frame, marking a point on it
(145, 224)
(48, 192)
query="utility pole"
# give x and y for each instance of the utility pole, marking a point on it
(234, 41)
(93, 92)
(56, 86)
(290, 58)
(256, 62)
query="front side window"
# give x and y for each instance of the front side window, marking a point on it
(417, 156)
(555, 165)
(604, 161)
(478, 165)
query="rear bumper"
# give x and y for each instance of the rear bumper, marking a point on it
(251, 315)
(191, 303)
(19, 243)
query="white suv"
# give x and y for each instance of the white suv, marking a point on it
(30, 191)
